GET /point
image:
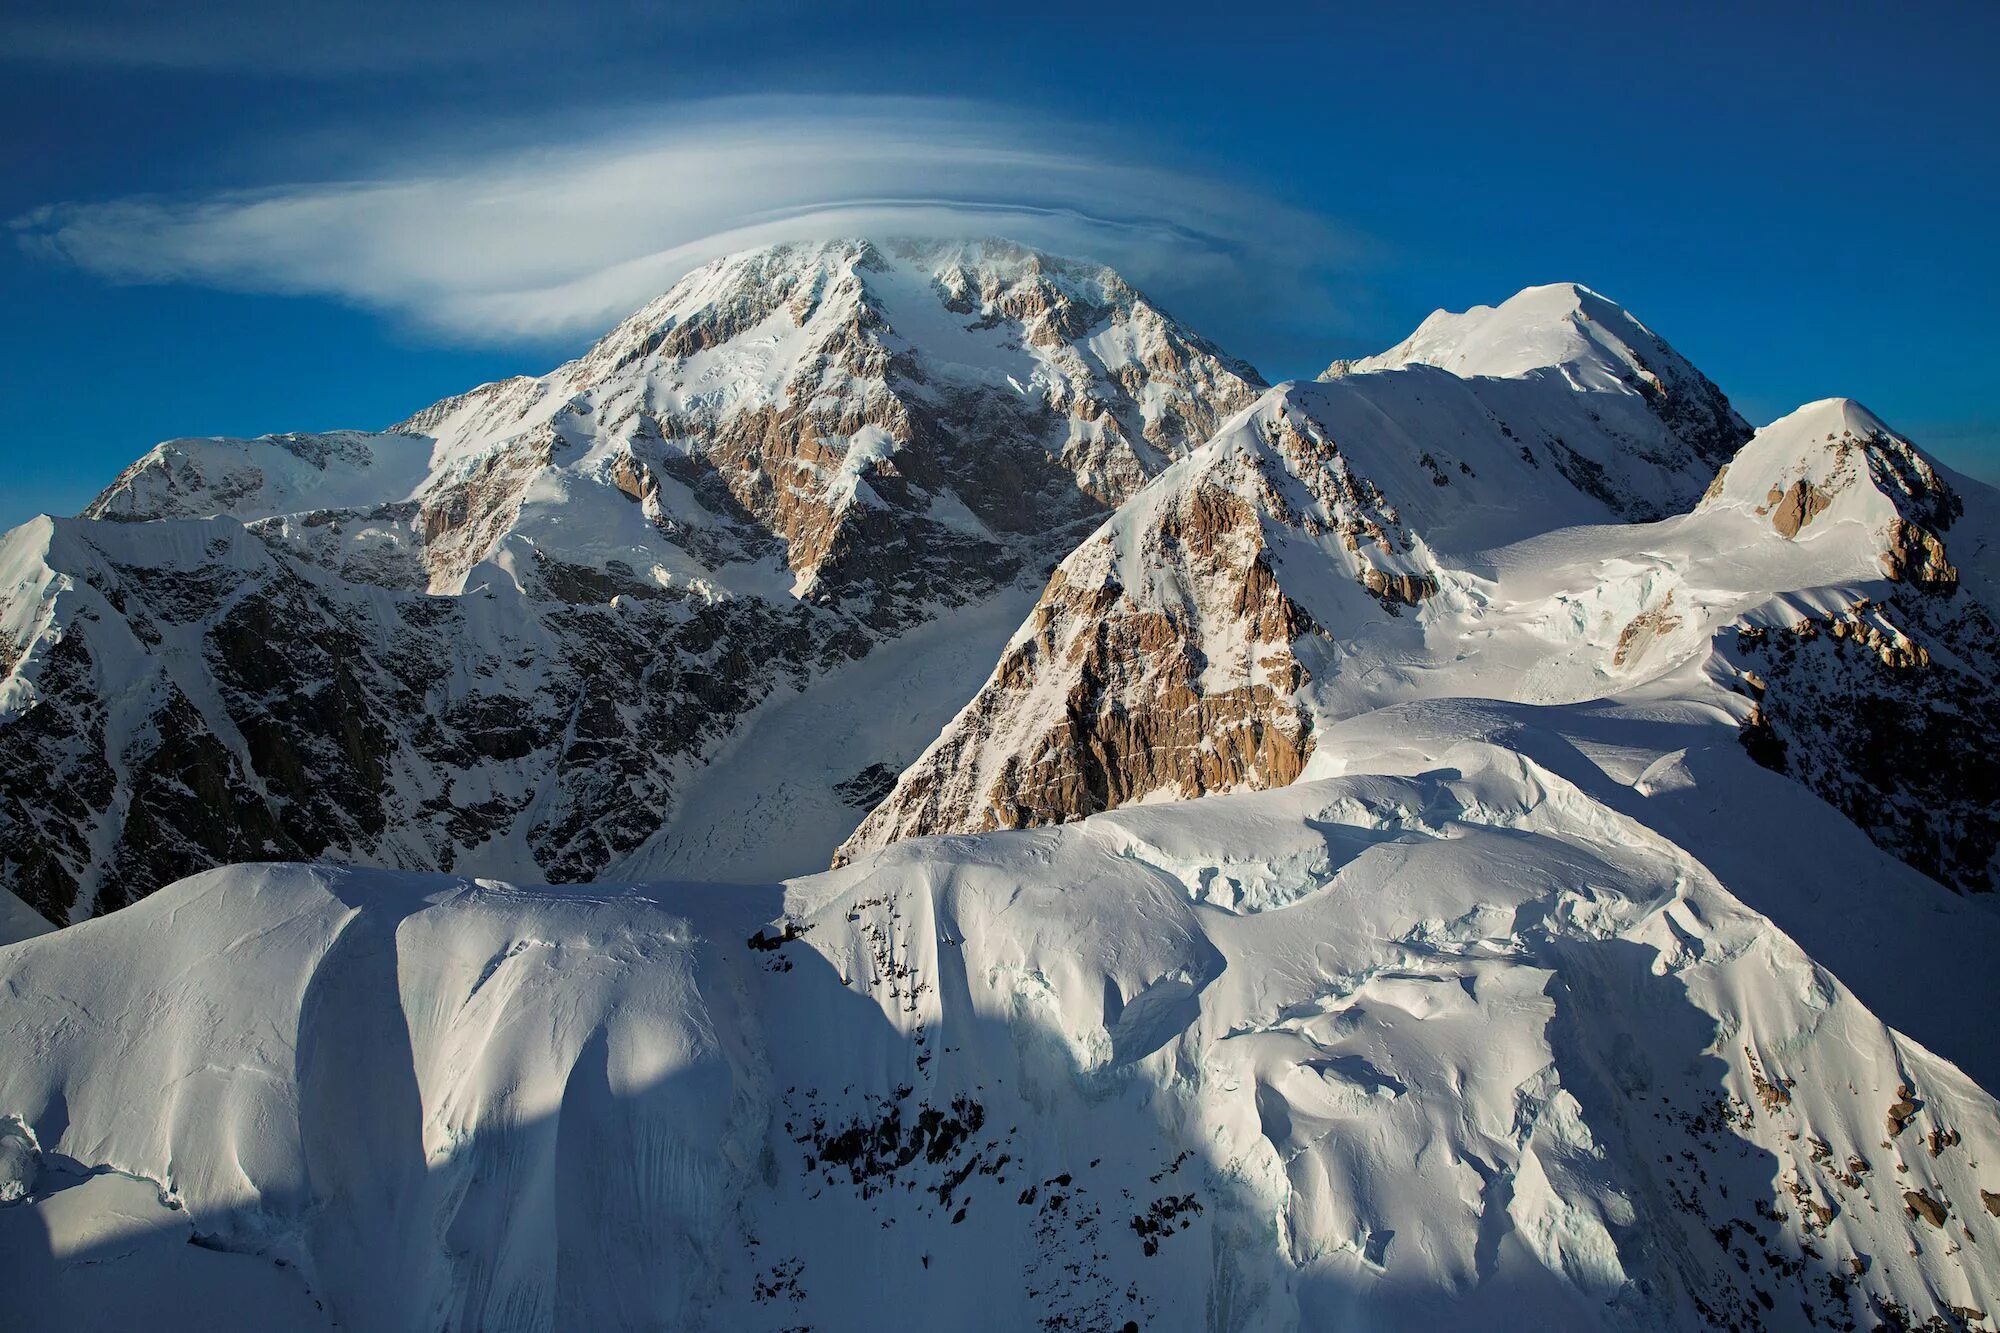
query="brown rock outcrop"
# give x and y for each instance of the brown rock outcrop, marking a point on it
(1796, 506)
(1913, 553)
(1920, 1203)
(1643, 629)
(1131, 705)
(1187, 681)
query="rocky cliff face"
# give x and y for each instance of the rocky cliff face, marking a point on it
(507, 634)
(1882, 708)
(1879, 702)
(1313, 566)
(1195, 642)
(1166, 658)
(201, 696)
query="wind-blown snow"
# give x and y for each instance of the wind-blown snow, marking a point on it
(1563, 326)
(1462, 1045)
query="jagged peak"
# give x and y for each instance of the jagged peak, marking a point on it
(994, 264)
(839, 342)
(832, 284)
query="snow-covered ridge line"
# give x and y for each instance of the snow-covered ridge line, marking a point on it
(1569, 334)
(1464, 1045)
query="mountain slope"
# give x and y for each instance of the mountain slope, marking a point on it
(1184, 647)
(1874, 700)
(1307, 567)
(1463, 1045)
(508, 635)
(1587, 959)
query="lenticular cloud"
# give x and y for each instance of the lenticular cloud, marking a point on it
(559, 236)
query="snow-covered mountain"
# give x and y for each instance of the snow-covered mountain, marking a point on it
(1567, 334)
(508, 635)
(1383, 537)
(1481, 838)
(1456, 1041)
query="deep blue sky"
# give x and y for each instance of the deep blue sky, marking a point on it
(1804, 204)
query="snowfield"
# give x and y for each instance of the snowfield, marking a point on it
(1383, 1050)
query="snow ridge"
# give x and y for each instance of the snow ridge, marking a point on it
(1466, 1045)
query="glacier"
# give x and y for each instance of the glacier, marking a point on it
(1483, 837)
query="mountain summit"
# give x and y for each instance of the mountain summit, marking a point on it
(1479, 839)
(508, 632)
(889, 421)
(1567, 333)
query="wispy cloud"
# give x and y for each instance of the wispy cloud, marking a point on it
(565, 234)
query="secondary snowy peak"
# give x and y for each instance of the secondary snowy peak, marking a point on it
(1570, 334)
(1833, 464)
(273, 474)
(1562, 325)
(1868, 691)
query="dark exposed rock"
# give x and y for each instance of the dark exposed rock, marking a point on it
(1859, 708)
(866, 788)
(437, 675)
